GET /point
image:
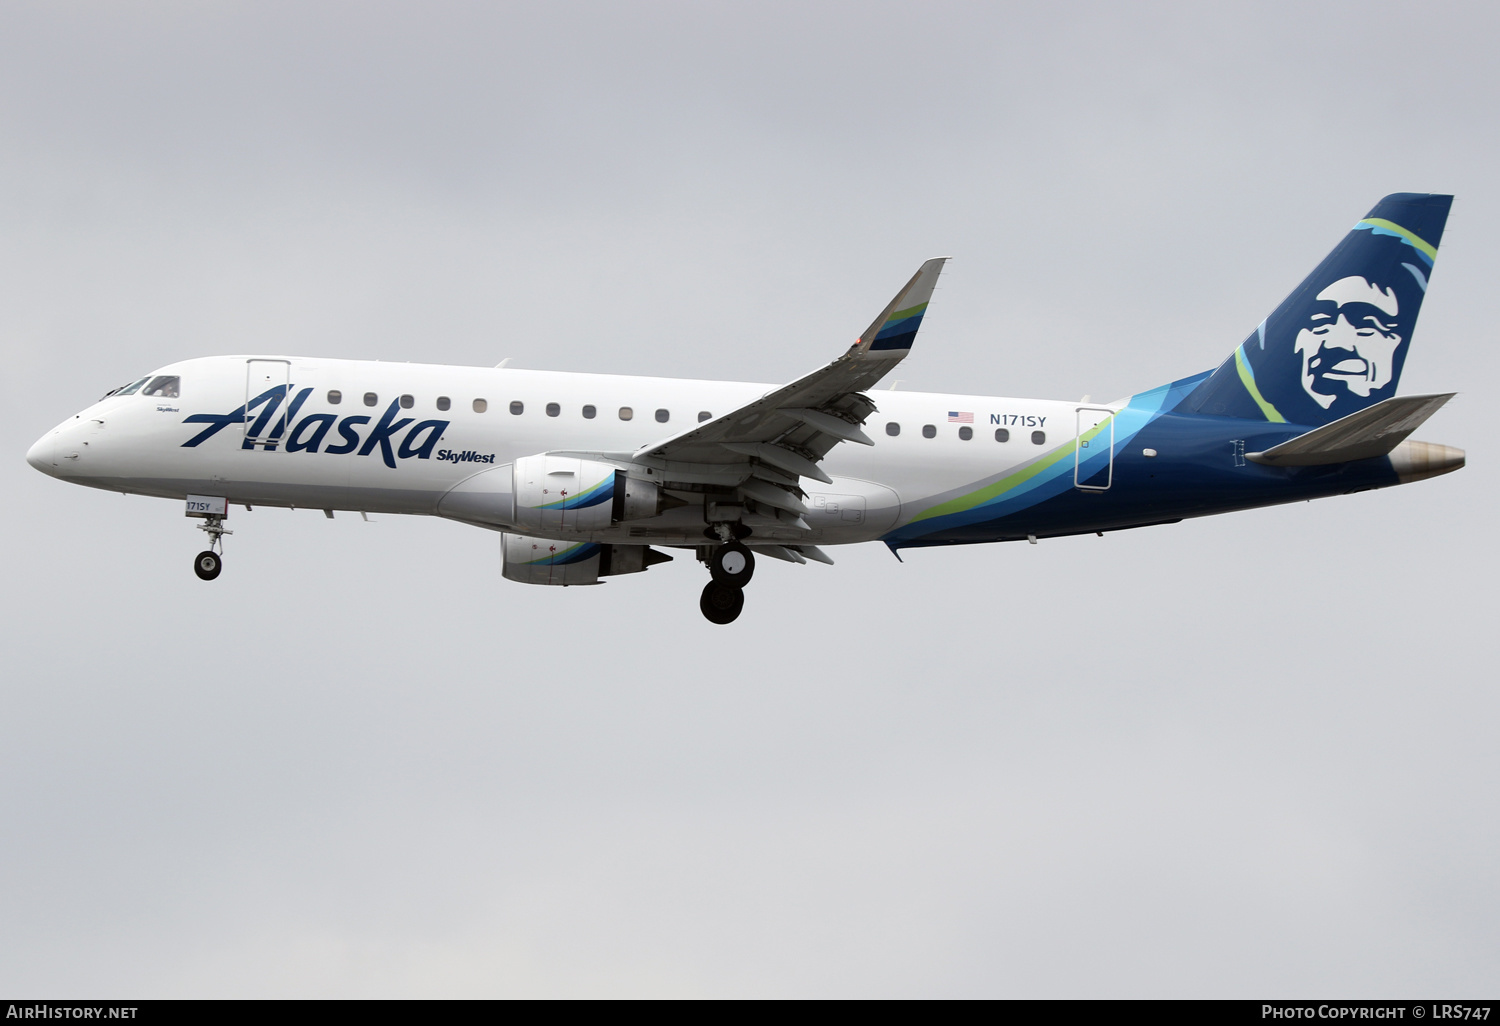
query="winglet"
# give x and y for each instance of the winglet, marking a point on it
(896, 327)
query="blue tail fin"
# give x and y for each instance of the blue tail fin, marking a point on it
(1337, 344)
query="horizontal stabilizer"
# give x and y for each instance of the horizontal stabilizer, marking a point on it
(1371, 432)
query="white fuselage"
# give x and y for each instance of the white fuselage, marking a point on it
(136, 443)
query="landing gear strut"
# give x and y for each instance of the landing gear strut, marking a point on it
(732, 566)
(208, 563)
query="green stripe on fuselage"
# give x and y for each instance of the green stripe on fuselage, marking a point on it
(993, 491)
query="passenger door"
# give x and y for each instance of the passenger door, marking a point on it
(1094, 455)
(261, 375)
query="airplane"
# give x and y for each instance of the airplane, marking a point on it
(591, 476)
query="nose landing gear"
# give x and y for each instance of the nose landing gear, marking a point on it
(208, 563)
(731, 565)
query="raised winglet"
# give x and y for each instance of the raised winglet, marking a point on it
(896, 327)
(829, 402)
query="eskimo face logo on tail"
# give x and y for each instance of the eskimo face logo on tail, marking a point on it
(1349, 341)
(1337, 344)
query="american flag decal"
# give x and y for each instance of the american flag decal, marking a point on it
(960, 418)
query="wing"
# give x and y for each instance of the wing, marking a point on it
(764, 447)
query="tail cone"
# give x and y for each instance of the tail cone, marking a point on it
(1413, 461)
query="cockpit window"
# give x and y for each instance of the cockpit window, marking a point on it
(129, 389)
(163, 386)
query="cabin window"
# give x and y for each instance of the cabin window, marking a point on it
(1002, 434)
(407, 402)
(626, 413)
(164, 386)
(371, 398)
(517, 408)
(966, 433)
(929, 430)
(589, 413)
(893, 429)
(662, 416)
(443, 403)
(335, 397)
(704, 415)
(553, 409)
(1039, 438)
(480, 405)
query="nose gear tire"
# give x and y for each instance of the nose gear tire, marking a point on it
(207, 565)
(732, 563)
(721, 603)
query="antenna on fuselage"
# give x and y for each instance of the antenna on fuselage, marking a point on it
(502, 363)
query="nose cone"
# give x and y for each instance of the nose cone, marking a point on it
(40, 454)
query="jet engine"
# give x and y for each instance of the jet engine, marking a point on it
(555, 494)
(572, 495)
(547, 561)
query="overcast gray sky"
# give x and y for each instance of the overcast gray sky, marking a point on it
(1245, 756)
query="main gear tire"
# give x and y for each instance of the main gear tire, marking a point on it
(721, 603)
(732, 563)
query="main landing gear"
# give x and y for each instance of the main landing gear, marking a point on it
(731, 565)
(209, 562)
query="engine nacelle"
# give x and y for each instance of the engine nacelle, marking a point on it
(545, 561)
(569, 495)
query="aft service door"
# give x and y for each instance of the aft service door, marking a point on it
(262, 376)
(1094, 456)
